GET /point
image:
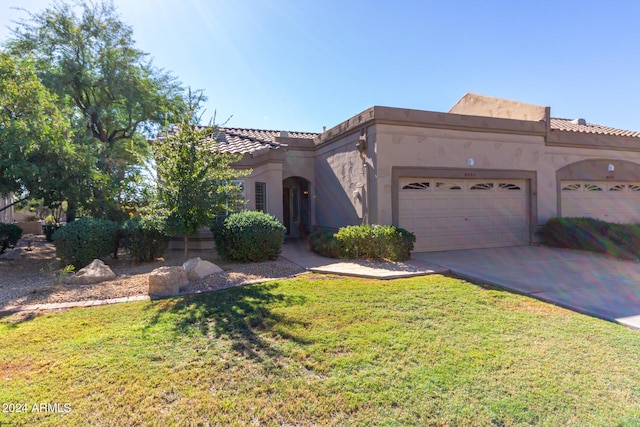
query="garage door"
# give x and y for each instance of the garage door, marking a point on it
(607, 200)
(448, 214)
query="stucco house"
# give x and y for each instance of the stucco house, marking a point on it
(6, 215)
(488, 173)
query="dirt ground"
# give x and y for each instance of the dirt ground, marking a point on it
(35, 278)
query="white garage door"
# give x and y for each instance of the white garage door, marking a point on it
(607, 200)
(449, 214)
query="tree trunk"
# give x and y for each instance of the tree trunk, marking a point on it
(186, 242)
(71, 212)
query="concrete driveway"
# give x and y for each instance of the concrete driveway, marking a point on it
(585, 282)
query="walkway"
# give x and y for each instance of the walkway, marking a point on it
(298, 252)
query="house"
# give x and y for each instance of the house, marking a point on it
(6, 215)
(488, 173)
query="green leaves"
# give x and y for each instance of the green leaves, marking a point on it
(36, 155)
(106, 88)
(194, 177)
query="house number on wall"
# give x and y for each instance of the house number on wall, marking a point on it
(611, 177)
(469, 174)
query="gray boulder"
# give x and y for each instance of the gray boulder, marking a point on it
(166, 281)
(197, 268)
(13, 254)
(95, 272)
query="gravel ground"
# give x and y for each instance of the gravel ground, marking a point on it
(35, 278)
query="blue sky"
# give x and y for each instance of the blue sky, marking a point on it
(302, 64)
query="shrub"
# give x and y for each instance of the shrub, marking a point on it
(9, 236)
(48, 230)
(146, 238)
(81, 241)
(364, 241)
(589, 234)
(375, 242)
(323, 242)
(249, 236)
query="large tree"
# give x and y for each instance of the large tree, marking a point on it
(195, 179)
(37, 157)
(115, 94)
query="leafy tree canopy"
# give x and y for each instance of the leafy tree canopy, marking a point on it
(37, 157)
(112, 91)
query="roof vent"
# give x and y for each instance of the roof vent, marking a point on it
(284, 134)
(581, 122)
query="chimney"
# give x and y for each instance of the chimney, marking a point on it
(284, 134)
(581, 122)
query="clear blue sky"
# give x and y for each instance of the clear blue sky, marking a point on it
(302, 64)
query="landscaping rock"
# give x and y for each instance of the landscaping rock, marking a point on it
(12, 254)
(166, 281)
(198, 269)
(95, 272)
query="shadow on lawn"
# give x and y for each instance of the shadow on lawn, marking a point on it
(244, 315)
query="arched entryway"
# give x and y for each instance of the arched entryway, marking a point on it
(295, 206)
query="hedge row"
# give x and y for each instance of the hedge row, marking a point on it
(588, 234)
(384, 242)
(81, 241)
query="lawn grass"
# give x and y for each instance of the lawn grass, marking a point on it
(324, 350)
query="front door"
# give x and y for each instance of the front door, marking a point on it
(291, 210)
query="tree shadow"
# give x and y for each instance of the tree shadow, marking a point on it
(243, 315)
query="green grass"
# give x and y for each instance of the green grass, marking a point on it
(324, 350)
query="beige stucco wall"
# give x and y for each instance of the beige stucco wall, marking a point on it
(440, 148)
(271, 173)
(472, 104)
(6, 216)
(426, 147)
(339, 184)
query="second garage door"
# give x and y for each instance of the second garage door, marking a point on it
(606, 200)
(449, 214)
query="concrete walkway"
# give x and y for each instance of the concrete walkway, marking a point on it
(585, 282)
(9, 309)
(298, 252)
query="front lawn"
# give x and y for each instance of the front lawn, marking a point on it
(323, 350)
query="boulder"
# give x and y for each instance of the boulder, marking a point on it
(12, 254)
(197, 269)
(166, 281)
(95, 272)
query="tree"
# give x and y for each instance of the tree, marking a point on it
(112, 91)
(37, 159)
(194, 177)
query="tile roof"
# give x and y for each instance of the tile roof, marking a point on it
(583, 127)
(254, 141)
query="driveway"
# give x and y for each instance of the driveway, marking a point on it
(585, 282)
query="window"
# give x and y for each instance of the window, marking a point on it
(482, 186)
(261, 196)
(416, 186)
(508, 186)
(447, 186)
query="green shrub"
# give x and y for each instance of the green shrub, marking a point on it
(81, 241)
(589, 234)
(146, 238)
(385, 242)
(375, 242)
(9, 236)
(48, 230)
(323, 242)
(249, 236)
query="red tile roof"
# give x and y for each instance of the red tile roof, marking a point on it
(254, 141)
(583, 127)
